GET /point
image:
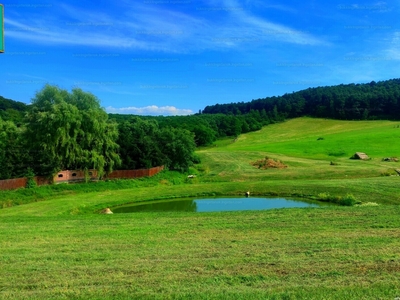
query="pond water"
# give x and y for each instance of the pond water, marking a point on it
(214, 205)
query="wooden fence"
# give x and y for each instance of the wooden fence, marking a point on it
(10, 184)
(78, 176)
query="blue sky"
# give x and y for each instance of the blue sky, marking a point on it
(160, 57)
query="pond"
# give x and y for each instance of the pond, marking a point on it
(214, 205)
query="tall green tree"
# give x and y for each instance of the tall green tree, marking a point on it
(143, 145)
(178, 147)
(204, 135)
(12, 152)
(70, 131)
(139, 146)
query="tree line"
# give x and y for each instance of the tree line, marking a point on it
(207, 128)
(370, 101)
(64, 130)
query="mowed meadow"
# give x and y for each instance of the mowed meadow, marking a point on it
(55, 244)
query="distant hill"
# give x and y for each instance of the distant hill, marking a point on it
(11, 110)
(374, 100)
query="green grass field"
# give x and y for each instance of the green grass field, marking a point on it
(55, 245)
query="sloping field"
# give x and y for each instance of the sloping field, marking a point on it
(308, 146)
(299, 137)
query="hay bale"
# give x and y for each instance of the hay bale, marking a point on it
(360, 155)
(269, 163)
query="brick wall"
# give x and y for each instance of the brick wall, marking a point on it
(74, 175)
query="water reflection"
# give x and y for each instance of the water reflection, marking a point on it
(214, 205)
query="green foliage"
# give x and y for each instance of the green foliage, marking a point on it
(204, 135)
(13, 111)
(139, 144)
(30, 183)
(207, 128)
(375, 100)
(347, 200)
(177, 146)
(12, 150)
(324, 197)
(143, 145)
(70, 131)
(196, 159)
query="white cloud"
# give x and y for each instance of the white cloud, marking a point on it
(152, 110)
(264, 30)
(393, 51)
(153, 28)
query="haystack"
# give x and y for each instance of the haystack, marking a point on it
(269, 163)
(360, 155)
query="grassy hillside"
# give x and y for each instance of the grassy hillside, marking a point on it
(299, 138)
(59, 247)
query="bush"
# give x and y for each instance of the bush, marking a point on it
(196, 159)
(323, 196)
(30, 183)
(348, 200)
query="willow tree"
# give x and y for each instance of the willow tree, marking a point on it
(12, 157)
(70, 131)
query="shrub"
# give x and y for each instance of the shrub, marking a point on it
(30, 183)
(348, 200)
(196, 159)
(323, 196)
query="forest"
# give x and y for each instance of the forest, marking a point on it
(62, 130)
(370, 101)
